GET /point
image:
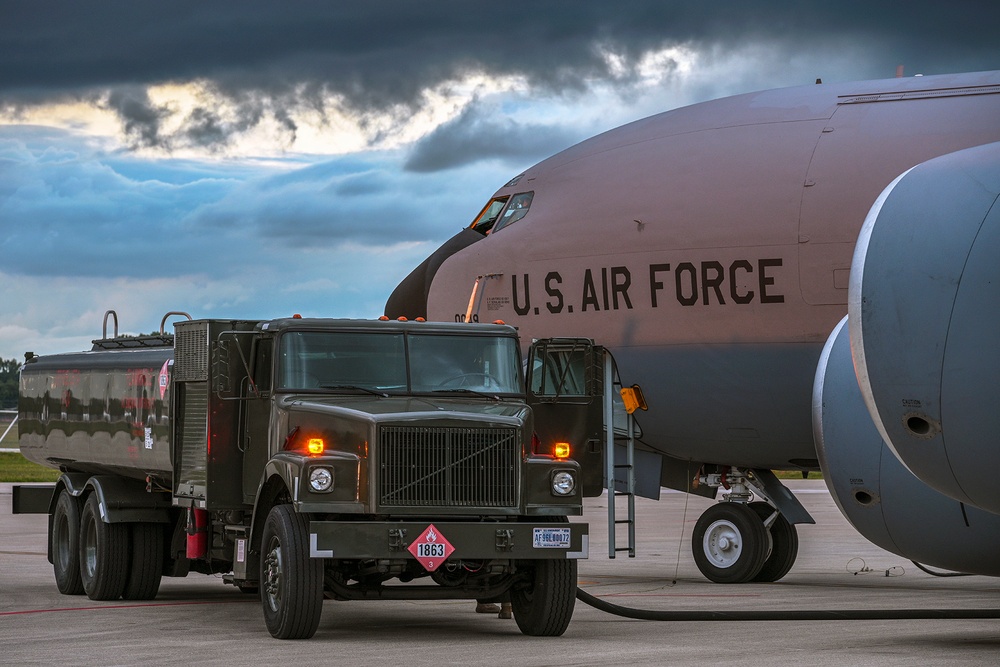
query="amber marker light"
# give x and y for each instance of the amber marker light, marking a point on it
(316, 445)
(561, 450)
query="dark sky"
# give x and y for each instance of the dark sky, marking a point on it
(382, 52)
(273, 55)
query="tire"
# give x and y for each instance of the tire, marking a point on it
(784, 545)
(104, 553)
(291, 583)
(729, 543)
(146, 566)
(544, 607)
(65, 544)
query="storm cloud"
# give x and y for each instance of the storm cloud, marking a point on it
(276, 60)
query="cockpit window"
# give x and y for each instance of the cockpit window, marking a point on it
(502, 211)
(488, 216)
(516, 209)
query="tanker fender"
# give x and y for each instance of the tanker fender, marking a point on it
(75, 484)
(124, 500)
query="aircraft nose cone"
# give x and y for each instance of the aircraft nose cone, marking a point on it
(409, 299)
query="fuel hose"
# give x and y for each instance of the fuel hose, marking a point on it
(787, 615)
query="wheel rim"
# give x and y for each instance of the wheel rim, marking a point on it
(272, 575)
(722, 544)
(90, 549)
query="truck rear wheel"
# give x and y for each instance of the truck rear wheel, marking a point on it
(545, 607)
(65, 544)
(104, 553)
(147, 562)
(291, 583)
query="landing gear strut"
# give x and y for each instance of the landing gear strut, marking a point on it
(738, 541)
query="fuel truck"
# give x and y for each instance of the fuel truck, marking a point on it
(306, 459)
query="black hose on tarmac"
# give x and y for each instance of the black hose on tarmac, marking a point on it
(788, 615)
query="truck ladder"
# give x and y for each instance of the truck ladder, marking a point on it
(611, 468)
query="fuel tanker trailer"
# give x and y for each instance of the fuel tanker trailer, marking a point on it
(305, 459)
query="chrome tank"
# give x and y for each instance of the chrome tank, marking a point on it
(104, 411)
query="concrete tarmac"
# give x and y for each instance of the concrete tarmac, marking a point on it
(199, 620)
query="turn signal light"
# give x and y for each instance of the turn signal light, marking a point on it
(556, 450)
(316, 445)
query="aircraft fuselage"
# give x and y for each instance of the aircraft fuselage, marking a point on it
(709, 248)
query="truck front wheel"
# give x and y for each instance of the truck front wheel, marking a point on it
(291, 583)
(545, 606)
(104, 553)
(65, 538)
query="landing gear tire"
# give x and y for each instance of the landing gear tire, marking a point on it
(729, 543)
(104, 553)
(291, 583)
(545, 606)
(66, 545)
(784, 545)
(147, 562)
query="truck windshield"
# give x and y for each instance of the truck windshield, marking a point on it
(314, 359)
(485, 364)
(368, 361)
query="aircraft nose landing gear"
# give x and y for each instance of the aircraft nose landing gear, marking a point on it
(729, 543)
(738, 541)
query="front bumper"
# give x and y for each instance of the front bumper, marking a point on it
(471, 540)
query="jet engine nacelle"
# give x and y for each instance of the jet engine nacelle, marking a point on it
(876, 493)
(924, 320)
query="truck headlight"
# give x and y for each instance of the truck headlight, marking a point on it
(321, 479)
(563, 483)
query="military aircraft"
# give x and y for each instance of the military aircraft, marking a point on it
(709, 249)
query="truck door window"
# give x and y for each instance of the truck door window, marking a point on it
(560, 372)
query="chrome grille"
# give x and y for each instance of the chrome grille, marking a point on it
(448, 466)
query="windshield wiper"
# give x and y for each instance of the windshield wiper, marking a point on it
(466, 390)
(373, 392)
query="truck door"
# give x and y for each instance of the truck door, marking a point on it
(257, 417)
(565, 389)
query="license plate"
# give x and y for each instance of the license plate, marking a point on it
(550, 538)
